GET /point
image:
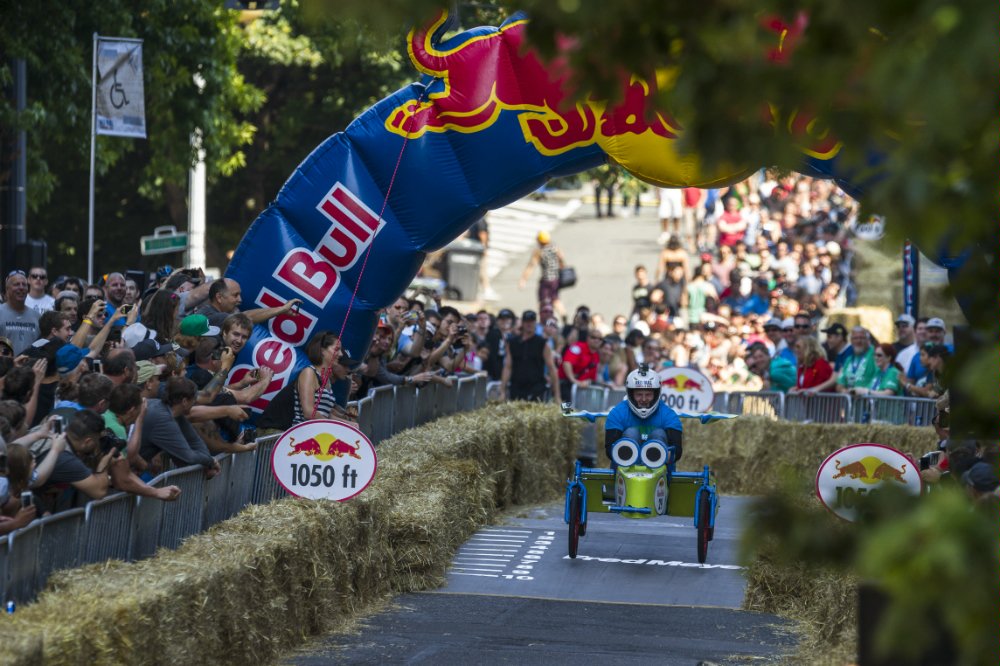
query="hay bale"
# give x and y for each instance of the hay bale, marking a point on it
(263, 581)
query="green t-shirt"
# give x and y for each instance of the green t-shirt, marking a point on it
(858, 370)
(884, 379)
(782, 374)
(112, 423)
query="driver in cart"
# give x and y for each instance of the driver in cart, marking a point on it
(641, 419)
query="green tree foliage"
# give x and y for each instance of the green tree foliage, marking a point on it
(140, 183)
(317, 76)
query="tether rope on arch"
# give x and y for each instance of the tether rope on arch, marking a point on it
(385, 202)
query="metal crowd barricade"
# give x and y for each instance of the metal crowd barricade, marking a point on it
(265, 486)
(109, 529)
(446, 399)
(59, 545)
(4, 563)
(366, 417)
(216, 491)
(720, 403)
(494, 390)
(757, 402)
(591, 399)
(147, 517)
(240, 482)
(404, 412)
(482, 389)
(818, 407)
(895, 410)
(183, 517)
(615, 395)
(426, 398)
(924, 410)
(466, 394)
(22, 566)
(383, 408)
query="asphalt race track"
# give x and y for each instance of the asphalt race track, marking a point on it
(635, 594)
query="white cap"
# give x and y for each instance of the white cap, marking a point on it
(907, 318)
(136, 333)
(788, 323)
(936, 322)
(833, 247)
(773, 322)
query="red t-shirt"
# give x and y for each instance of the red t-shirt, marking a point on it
(582, 360)
(731, 237)
(814, 375)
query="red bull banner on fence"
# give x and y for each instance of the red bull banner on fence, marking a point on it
(487, 123)
(860, 469)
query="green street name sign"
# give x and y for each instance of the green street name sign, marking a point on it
(164, 241)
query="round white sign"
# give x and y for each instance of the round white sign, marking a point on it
(324, 459)
(686, 390)
(872, 229)
(861, 469)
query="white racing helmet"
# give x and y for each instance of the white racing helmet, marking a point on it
(642, 378)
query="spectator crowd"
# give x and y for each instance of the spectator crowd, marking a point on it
(103, 386)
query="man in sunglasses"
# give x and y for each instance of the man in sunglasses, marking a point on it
(17, 321)
(38, 298)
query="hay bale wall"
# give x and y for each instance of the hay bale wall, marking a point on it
(262, 582)
(748, 455)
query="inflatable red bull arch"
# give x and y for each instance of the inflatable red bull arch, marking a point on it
(487, 123)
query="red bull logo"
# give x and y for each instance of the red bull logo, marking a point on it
(682, 383)
(324, 459)
(851, 473)
(495, 72)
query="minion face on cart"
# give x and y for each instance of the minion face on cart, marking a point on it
(641, 477)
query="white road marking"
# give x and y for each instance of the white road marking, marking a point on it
(459, 573)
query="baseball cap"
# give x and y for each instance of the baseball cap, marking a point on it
(6, 341)
(787, 323)
(196, 325)
(837, 329)
(136, 333)
(150, 348)
(146, 370)
(506, 312)
(68, 358)
(906, 318)
(544, 237)
(982, 477)
(936, 322)
(529, 315)
(773, 322)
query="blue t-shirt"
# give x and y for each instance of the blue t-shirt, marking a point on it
(622, 418)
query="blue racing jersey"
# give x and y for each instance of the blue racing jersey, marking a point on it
(622, 417)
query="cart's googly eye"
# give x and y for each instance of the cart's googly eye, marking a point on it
(625, 452)
(654, 454)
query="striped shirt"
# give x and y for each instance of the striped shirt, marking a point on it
(322, 398)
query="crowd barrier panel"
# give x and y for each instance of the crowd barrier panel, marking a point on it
(128, 527)
(59, 544)
(382, 407)
(466, 394)
(22, 568)
(818, 407)
(615, 395)
(265, 487)
(147, 517)
(110, 524)
(404, 411)
(591, 399)
(446, 400)
(366, 417)
(494, 391)
(426, 399)
(895, 410)
(924, 411)
(751, 402)
(240, 482)
(216, 493)
(720, 403)
(482, 389)
(183, 517)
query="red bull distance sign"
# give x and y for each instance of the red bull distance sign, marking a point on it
(860, 469)
(686, 390)
(324, 459)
